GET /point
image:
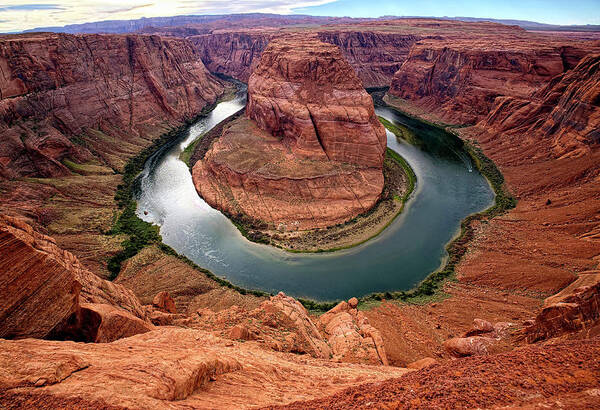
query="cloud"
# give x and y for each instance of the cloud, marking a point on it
(25, 7)
(19, 15)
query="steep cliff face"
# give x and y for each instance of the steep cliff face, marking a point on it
(46, 292)
(565, 113)
(547, 148)
(56, 88)
(304, 92)
(231, 53)
(459, 80)
(375, 56)
(310, 150)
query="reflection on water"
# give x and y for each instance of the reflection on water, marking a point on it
(448, 189)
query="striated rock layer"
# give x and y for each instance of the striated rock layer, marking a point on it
(309, 152)
(457, 82)
(374, 55)
(65, 97)
(46, 292)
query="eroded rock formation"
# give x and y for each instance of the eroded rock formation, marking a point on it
(458, 82)
(65, 97)
(309, 152)
(46, 292)
(374, 54)
(168, 367)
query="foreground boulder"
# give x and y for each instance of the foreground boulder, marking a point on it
(575, 313)
(309, 150)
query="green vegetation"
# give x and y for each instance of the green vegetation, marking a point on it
(139, 233)
(410, 174)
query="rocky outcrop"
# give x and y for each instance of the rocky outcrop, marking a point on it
(232, 53)
(304, 92)
(65, 97)
(310, 150)
(39, 288)
(46, 292)
(351, 336)
(164, 302)
(574, 313)
(565, 113)
(168, 367)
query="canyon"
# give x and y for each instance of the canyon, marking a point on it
(518, 326)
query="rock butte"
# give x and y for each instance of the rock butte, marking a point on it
(309, 153)
(536, 117)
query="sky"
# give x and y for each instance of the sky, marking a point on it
(16, 15)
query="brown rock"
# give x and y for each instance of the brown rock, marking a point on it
(469, 346)
(351, 337)
(374, 55)
(285, 312)
(480, 326)
(574, 313)
(353, 303)
(422, 363)
(164, 302)
(107, 323)
(39, 288)
(310, 150)
(169, 367)
(240, 332)
(51, 294)
(459, 80)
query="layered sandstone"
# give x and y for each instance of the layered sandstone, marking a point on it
(309, 152)
(66, 97)
(46, 292)
(546, 148)
(374, 54)
(457, 82)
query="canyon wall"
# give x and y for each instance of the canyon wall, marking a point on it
(548, 150)
(65, 97)
(458, 81)
(310, 148)
(375, 56)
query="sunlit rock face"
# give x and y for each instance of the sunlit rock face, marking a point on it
(309, 152)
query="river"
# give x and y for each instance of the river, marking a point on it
(448, 189)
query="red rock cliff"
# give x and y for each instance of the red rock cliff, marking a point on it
(310, 151)
(55, 88)
(459, 80)
(374, 55)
